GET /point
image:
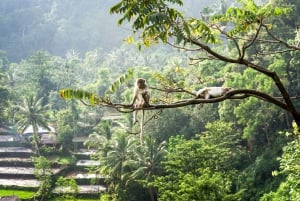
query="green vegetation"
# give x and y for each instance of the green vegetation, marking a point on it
(22, 194)
(61, 160)
(77, 199)
(240, 146)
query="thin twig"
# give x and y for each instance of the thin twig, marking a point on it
(279, 40)
(246, 46)
(231, 38)
(275, 52)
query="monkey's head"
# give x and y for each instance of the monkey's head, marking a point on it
(141, 83)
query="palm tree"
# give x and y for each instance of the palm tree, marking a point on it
(115, 163)
(100, 139)
(32, 113)
(98, 142)
(147, 162)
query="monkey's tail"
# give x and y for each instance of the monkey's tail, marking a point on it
(142, 128)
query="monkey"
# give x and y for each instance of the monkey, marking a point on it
(141, 98)
(212, 92)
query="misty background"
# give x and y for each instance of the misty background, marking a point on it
(57, 26)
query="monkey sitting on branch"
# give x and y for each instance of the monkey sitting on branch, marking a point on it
(212, 92)
(141, 98)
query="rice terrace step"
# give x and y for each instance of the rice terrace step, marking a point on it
(31, 183)
(15, 152)
(82, 189)
(15, 149)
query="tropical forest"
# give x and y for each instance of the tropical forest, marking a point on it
(150, 100)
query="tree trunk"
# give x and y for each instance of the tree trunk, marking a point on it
(296, 116)
(152, 192)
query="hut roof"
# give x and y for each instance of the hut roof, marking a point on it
(41, 130)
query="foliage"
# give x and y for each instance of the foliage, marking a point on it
(38, 66)
(146, 164)
(155, 17)
(160, 20)
(68, 187)
(32, 113)
(105, 197)
(92, 98)
(3, 102)
(66, 127)
(60, 159)
(115, 164)
(289, 167)
(22, 194)
(43, 172)
(200, 168)
(4, 93)
(128, 165)
(77, 199)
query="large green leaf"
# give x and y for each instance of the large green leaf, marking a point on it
(80, 95)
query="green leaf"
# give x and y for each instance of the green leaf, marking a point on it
(92, 99)
(80, 95)
(122, 79)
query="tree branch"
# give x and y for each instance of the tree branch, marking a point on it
(275, 52)
(232, 94)
(289, 106)
(246, 46)
(171, 90)
(231, 38)
(211, 52)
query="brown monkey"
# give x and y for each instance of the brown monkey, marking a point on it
(212, 92)
(141, 98)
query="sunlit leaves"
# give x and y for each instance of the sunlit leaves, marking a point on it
(156, 18)
(80, 95)
(200, 29)
(92, 98)
(125, 77)
(129, 39)
(246, 17)
(270, 9)
(158, 21)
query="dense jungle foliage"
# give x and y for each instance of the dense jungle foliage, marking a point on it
(244, 149)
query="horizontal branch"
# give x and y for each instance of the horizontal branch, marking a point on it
(172, 90)
(233, 94)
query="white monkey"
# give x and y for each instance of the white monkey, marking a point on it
(212, 92)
